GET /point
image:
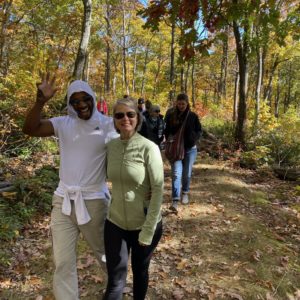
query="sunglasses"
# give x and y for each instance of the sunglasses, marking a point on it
(121, 115)
(77, 101)
(157, 111)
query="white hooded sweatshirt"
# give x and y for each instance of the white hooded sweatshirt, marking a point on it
(82, 145)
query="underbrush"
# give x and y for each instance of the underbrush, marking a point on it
(31, 196)
(29, 165)
(273, 142)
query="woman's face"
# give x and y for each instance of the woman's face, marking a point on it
(125, 119)
(181, 105)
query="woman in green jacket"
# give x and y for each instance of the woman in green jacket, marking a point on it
(135, 169)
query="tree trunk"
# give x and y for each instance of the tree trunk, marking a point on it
(277, 98)
(258, 86)
(80, 62)
(108, 49)
(172, 64)
(134, 69)
(267, 93)
(224, 64)
(242, 51)
(4, 52)
(86, 72)
(236, 96)
(288, 95)
(193, 83)
(125, 83)
(182, 78)
(145, 69)
(114, 87)
(187, 77)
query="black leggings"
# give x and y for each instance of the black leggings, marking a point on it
(118, 243)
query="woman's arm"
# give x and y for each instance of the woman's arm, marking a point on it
(155, 169)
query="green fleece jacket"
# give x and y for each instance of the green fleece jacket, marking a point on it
(135, 169)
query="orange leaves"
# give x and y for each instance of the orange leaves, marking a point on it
(182, 265)
(187, 52)
(200, 109)
(85, 262)
(188, 12)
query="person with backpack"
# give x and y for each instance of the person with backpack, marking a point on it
(182, 118)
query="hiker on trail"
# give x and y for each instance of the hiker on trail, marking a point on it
(81, 199)
(155, 125)
(182, 168)
(135, 169)
(102, 106)
(141, 107)
(148, 105)
(141, 104)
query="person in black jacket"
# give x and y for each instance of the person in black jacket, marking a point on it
(182, 169)
(155, 125)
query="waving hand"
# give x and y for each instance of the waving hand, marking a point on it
(46, 88)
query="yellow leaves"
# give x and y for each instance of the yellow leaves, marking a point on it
(267, 120)
(9, 195)
(182, 264)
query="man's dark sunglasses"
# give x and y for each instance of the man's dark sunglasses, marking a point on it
(157, 111)
(121, 115)
(77, 101)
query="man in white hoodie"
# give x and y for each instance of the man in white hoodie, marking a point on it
(81, 199)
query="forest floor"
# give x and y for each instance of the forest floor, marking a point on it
(238, 238)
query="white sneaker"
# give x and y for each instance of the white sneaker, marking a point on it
(185, 199)
(103, 258)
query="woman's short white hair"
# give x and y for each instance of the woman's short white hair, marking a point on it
(130, 103)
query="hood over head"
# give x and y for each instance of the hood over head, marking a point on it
(79, 86)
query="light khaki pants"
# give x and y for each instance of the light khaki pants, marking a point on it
(65, 232)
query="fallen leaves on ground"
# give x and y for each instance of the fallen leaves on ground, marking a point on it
(223, 245)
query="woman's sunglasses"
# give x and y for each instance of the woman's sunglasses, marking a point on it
(121, 115)
(77, 101)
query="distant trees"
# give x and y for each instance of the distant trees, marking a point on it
(251, 22)
(232, 56)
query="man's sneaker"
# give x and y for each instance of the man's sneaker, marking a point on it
(185, 199)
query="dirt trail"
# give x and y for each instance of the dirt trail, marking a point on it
(238, 238)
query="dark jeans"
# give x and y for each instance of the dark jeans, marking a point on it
(118, 243)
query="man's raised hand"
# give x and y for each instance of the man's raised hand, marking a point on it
(46, 88)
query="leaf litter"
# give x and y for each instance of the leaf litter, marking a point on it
(238, 238)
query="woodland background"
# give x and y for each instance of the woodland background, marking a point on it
(238, 61)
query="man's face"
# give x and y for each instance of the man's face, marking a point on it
(83, 104)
